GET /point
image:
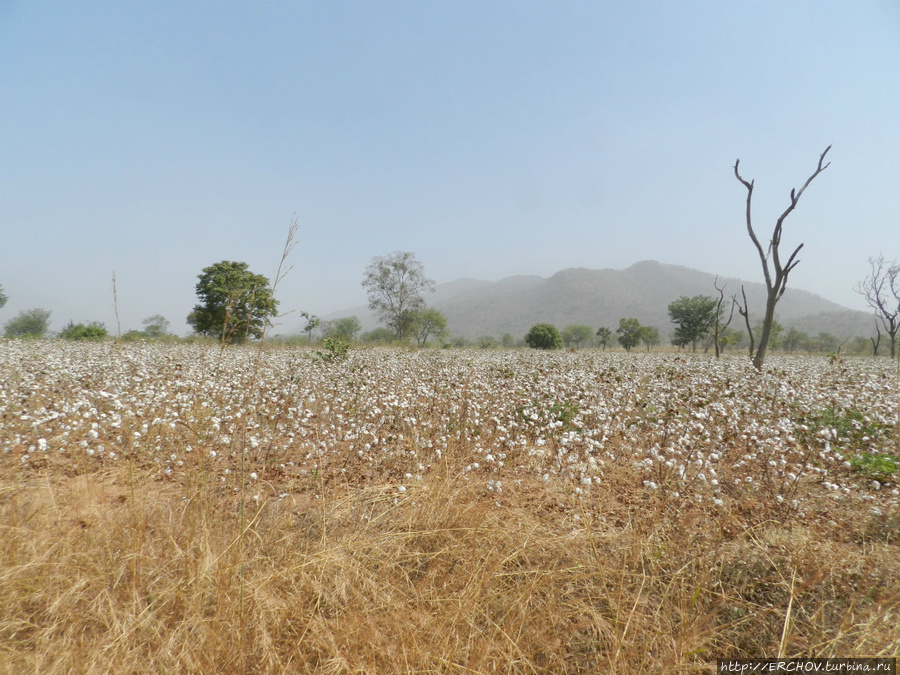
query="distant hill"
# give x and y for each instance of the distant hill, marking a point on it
(601, 297)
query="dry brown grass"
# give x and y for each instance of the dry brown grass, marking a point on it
(113, 573)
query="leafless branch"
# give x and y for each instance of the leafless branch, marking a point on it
(776, 276)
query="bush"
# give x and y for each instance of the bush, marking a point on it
(486, 342)
(378, 335)
(543, 336)
(336, 349)
(79, 331)
(30, 323)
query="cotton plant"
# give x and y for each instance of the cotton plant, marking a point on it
(713, 428)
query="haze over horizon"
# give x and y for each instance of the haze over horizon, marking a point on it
(491, 139)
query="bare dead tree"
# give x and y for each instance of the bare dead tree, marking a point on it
(744, 311)
(719, 327)
(116, 307)
(881, 289)
(776, 277)
(876, 341)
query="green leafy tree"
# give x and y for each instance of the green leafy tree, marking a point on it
(543, 336)
(428, 322)
(395, 284)
(649, 336)
(629, 332)
(32, 323)
(236, 304)
(576, 335)
(344, 329)
(3, 297)
(794, 339)
(94, 330)
(486, 342)
(604, 335)
(694, 318)
(312, 322)
(861, 345)
(378, 335)
(507, 341)
(156, 326)
(729, 337)
(824, 342)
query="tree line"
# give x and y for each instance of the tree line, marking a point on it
(236, 305)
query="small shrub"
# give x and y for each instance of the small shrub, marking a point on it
(874, 465)
(486, 342)
(79, 331)
(336, 349)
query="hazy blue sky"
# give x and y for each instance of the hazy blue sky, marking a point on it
(491, 138)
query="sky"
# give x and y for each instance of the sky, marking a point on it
(148, 140)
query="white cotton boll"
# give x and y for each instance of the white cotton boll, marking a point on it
(253, 476)
(212, 454)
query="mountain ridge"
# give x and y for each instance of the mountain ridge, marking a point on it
(600, 297)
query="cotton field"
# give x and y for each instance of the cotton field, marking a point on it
(278, 421)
